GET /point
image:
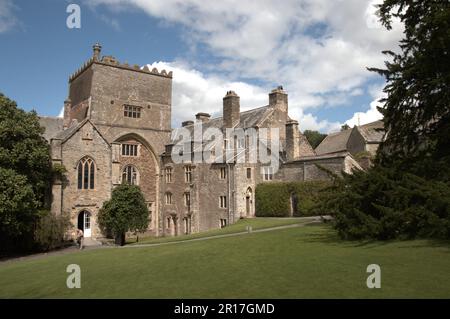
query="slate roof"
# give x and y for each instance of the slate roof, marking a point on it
(333, 143)
(337, 142)
(372, 132)
(52, 125)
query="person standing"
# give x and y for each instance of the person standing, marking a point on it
(80, 236)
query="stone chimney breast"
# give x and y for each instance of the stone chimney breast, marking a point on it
(231, 109)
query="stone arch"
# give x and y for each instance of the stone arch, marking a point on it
(131, 135)
(147, 165)
(85, 221)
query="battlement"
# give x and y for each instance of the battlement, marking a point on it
(112, 61)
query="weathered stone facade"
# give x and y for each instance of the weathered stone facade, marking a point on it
(116, 129)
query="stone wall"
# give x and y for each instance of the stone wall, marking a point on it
(86, 142)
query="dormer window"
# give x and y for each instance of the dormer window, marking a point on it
(132, 111)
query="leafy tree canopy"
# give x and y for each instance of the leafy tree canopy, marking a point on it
(314, 137)
(125, 211)
(22, 147)
(18, 207)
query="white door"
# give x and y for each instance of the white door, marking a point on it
(87, 224)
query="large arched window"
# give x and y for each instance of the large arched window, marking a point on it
(130, 175)
(86, 173)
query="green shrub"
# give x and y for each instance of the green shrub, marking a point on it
(275, 199)
(272, 200)
(50, 230)
(387, 203)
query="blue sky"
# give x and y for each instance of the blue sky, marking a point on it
(316, 50)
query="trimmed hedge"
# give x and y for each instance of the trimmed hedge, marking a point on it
(274, 199)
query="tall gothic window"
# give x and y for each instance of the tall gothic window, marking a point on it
(130, 175)
(86, 173)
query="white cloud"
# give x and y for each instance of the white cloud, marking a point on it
(7, 18)
(317, 49)
(372, 114)
(61, 112)
(195, 92)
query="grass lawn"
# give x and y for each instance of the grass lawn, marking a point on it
(300, 262)
(240, 226)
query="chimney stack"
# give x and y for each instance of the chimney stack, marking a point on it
(292, 140)
(231, 109)
(204, 117)
(279, 98)
(187, 123)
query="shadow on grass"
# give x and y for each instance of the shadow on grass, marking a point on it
(325, 234)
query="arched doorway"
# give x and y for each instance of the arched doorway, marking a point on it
(248, 202)
(84, 222)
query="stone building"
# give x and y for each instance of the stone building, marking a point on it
(117, 128)
(361, 141)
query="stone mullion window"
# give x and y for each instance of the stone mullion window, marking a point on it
(130, 175)
(132, 111)
(129, 150)
(168, 174)
(86, 173)
(188, 174)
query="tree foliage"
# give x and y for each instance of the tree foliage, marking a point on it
(314, 137)
(417, 108)
(23, 148)
(407, 193)
(19, 206)
(25, 175)
(383, 204)
(50, 230)
(125, 211)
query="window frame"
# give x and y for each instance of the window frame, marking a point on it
(132, 111)
(86, 173)
(134, 172)
(130, 148)
(168, 174)
(188, 174)
(168, 198)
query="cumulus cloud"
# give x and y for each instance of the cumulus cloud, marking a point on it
(372, 114)
(194, 91)
(318, 49)
(7, 18)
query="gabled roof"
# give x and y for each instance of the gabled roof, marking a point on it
(69, 132)
(337, 142)
(333, 143)
(372, 132)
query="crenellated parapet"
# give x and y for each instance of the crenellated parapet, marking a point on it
(112, 61)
